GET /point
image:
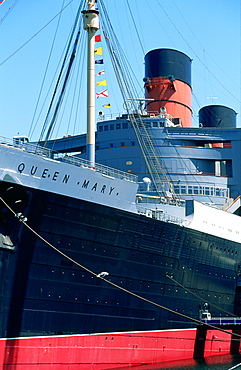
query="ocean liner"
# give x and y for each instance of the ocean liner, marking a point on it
(104, 268)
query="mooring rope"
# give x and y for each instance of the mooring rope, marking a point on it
(235, 367)
(23, 219)
(197, 296)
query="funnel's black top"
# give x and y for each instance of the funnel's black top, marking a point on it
(217, 116)
(168, 63)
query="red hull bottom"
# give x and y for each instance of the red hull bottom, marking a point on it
(108, 351)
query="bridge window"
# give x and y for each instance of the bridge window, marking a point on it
(201, 190)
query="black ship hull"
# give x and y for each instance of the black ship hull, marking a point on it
(43, 293)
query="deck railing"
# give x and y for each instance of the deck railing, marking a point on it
(59, 157)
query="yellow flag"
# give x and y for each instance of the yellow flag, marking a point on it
(98, 51)
(102, 83)
(106, 105)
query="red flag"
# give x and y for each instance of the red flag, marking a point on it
(100, 73)
(98, 38)
(1, 2)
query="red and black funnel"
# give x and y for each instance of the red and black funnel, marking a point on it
(168, 83)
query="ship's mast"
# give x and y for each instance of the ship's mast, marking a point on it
(91, 25)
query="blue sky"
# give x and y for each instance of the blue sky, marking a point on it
(209, 32)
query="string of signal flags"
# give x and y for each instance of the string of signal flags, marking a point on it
(104, 93)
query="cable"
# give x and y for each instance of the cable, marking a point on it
(197, 56)
(235, 367)
(197, 296)
(8, 11)
(98, 275)
(51, 116)
(45, 73)
(51, 20)
(133, 20)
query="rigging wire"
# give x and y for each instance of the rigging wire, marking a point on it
(101, 276)
(194, 35)
(61, 96)
(72, 90)
(118, 58)
(120, 65)
(79, 93)
(188, 171)
(49, 89)
(45, 73)
(75, 94)
(8, 12)
(197, 296)
(72, 56)
(196, 55)
(32, 37)
(133, 20)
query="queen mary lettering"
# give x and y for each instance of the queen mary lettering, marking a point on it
(45, 173)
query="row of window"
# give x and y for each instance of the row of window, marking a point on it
(122, 144)
(201, 190)
(113, 126)
(125, 125)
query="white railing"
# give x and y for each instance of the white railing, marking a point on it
(161, 216)
(106, 171)
(79, 162)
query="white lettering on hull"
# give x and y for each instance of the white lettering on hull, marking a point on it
(64, 178)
